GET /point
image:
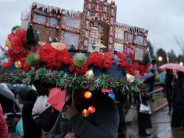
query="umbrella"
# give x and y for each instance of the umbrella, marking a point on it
(7, 90)
(99, 45)
(148, 75)
(162, 77)
(59, 45)
(172, 66)
(56, 98)
(8, 101)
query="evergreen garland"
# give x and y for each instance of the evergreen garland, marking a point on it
(60, 79)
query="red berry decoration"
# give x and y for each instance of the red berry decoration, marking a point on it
(145, 35)
(57, 27)
(96, 15)
(89, 1)
(91, 109)
(86, 36)
(100, 14)
(110, 41)
(97, 10)
(108, 18)
(111, 34)
(145, 44)
(36, 11)
(97, 2)
(135, 42)
(105, 18)
(47, 24)
(34, 21)
(112, 23)
(58, 16)
(135, 33)
(101, 1)
(89, 8)
(78, 31)
(112, 6)
(63, 13)
(112, 14)
(85, 44)
(105, 11)
(87, 27)
(126, 42)
(88, 18)
(50, 14)
(63, 26)
(105, 4)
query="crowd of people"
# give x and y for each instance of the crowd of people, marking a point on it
(39, 118)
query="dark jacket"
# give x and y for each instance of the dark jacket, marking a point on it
(178, 95)
(31, 130)
(101, 124)
(43, 114)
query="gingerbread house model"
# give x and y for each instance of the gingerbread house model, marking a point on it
(95, 25)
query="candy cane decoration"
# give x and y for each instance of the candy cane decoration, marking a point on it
(3, 49)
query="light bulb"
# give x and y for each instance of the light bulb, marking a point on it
(181, 63)
(18, 64)
(89, 74)
(112, 95)
(88, 94)
(91, 109)
(85, 113)
(130, 78)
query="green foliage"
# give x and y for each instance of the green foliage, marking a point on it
(30, 36)
(146, 58)
(38, 36)
(60, 79)
(16, 27)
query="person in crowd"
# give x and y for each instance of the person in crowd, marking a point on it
(168, 88)
(3, 125)
(150, 83)
(43, 113)
(103, 123)
(144, 120)
(178, 97)
(27, 97)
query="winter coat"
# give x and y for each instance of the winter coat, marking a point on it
(31, 130)
(3, 125)
(101, 124)
(178, 94)
(43, 113)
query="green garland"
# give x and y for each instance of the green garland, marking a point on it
(60, 79)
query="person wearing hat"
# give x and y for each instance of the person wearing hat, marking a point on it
(101, 122)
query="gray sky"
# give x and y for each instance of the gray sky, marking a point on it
(160, 17)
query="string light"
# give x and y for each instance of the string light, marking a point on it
(112, 95)
(181, 63)
(87, 94)
(89, 74)
(85, 113)
(130, 78)
(18, 64)
(91, 109)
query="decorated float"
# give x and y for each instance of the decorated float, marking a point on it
(87, 49)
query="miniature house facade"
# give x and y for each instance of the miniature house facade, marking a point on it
(95, 25)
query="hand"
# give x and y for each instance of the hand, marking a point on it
(70, 111)
(70, 135)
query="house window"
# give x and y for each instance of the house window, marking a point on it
(71, 38)
(119, 33)
(41, 19)
(139, 40)
(119, 47)
(73, 22)
(53, 21)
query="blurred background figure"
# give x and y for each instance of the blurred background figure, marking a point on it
(178, 97)
(27, 97)
(168, 88)
(43, 113)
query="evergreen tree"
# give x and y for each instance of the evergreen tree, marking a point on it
(50, 40)
(72, 47)
(38, 36)
(172, 57)
(30, 36)
(146, 58)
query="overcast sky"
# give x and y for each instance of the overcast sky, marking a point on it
(161, 17)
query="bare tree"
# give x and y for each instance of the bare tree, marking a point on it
(179, 42)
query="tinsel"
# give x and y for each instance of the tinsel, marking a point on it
(60, 79)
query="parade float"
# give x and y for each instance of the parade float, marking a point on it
(87, 49)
